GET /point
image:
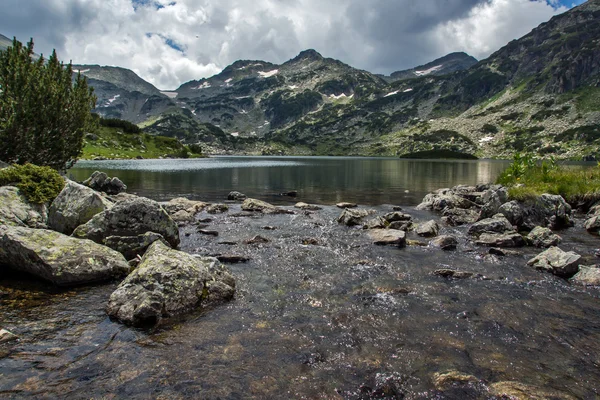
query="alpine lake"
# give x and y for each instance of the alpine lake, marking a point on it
(319, 312)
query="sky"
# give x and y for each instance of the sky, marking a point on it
(170, 42)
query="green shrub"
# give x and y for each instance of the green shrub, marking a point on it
(127, 126)
(37, 184)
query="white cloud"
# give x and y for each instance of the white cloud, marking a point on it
(491, 25)
(377, 35)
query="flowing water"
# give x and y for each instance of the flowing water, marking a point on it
(320, 312)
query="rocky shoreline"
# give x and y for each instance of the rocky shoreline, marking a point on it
(136, 241)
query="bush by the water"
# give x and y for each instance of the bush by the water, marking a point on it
(527, 178)
(37, 184)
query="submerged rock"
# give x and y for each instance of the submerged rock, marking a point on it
(388, 236)
(452, 273)
(15, 210)
(543, 237)
(257, 240)
(556, 261)
(352, 217)
(131, 217)
(101, 182)
(444, 381)
(60, 259)
(428, 229)
(217, 208)
(75, 205)
(520, 391)
(166, 283)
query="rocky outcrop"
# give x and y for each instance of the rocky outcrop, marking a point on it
(520, 391)
(388, 237)
(166, 283)
(397, 217)
(133, 246)
(60, 259)
(428, 229)
(352, 217)
(7, 336)
(592, 223)
(131, 217)
(260, 206)
(75, 205)
(556, 261)
(588, 276)
(15, 210)
(101, 182)
(543, 237)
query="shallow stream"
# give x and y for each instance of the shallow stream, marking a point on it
(339, 318)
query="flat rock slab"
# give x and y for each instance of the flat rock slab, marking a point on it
(261, 206)
(556, 261)
(345, 204)
(166, 283)
(388, 237)
(60, 259)
(352, 217)
(306, 206)
(511, 239)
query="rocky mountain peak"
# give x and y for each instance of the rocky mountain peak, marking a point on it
(310, 54)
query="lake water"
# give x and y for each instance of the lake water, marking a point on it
(322, 180)
(319, 312)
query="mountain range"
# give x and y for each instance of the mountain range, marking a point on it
(539, 93)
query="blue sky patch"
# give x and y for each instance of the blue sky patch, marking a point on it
(565, 3)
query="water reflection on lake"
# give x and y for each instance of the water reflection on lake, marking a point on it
(323, 180)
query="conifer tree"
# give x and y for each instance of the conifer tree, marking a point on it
(44, 111)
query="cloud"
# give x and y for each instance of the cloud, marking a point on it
(169, 42)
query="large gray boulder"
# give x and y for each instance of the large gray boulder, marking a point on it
(15, 210)
(492, 200)
(75, 205)
(352, 216)
(556, 261)
(183, 210)
(101, 182)
(444, 242)
(60, 259)
(168, 282)
(513, 211)
(130, 217)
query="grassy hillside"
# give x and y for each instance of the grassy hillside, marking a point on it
(116, 143)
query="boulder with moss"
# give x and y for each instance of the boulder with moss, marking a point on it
(166, 283)
(15, 210)
(131, 217)
(60, 259)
